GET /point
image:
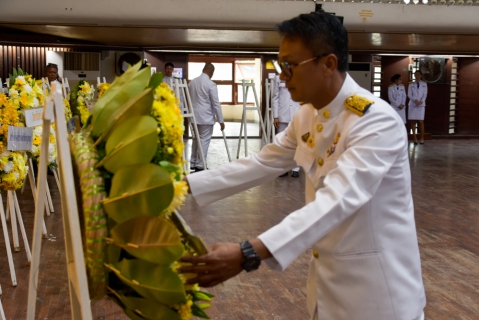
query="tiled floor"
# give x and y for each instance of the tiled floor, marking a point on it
(445, 188)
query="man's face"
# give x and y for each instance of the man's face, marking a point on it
(306, 80)
(168, 71)
(52, 74)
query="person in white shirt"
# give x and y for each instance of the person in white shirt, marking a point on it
(51, 73)
(207, 108)
(168, 78)
(397, 96)
(417, 94)
(359, 216)
(283, 110)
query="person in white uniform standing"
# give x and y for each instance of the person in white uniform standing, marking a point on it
(397, 96)
(359, 216)
(207, 108)
(417, 94)
(283, 110)
(168, 78)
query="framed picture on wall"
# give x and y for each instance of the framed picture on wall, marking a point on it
(178, 73)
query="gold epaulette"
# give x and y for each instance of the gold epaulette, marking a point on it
(401, 85)
(391, 85)
(411, 82)
(357, 104)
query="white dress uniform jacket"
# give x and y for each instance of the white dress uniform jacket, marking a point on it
(359, 216)
(204, 97)
(283, 106)
(415, 93)
(397, 97)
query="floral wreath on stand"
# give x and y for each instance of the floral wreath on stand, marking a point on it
(102, 89)
(128, 164)
(80, 98)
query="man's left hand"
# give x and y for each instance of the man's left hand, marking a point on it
(222, 262)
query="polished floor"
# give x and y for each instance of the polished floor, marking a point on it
(445, 177)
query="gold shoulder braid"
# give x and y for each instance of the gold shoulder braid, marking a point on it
(357, 104)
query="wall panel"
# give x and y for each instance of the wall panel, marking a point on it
(467, 114)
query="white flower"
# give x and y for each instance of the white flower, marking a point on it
(13, 93)
(16, 174)
(5, 153)
(38, 130)
(34, 149)
(27, 88)
(8, 167)
(36, 103)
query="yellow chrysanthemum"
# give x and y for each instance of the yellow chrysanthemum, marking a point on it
(102, 89)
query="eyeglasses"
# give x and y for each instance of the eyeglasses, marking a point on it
(283, 66)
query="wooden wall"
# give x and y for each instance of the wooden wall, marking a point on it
(467, 114)
(29, 59)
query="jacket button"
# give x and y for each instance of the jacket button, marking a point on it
(326, 114)
(320, 127)
(315, 254)
(320, 161)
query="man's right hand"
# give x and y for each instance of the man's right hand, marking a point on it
(222, 125)
(276, 123)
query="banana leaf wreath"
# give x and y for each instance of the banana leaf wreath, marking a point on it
(128, 163)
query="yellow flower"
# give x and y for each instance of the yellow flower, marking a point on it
(180, 192)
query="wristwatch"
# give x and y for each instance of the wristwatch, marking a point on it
(251, 260)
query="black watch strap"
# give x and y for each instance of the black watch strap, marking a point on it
(251, 260)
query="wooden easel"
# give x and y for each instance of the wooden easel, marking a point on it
(181, 91)
(77, 280)
(264, 139)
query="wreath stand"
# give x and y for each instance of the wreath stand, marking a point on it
(270, 129)
(77, 280)
(181, 90)
(264, 139)
(2, 314)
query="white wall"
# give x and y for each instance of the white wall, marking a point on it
(56, 58)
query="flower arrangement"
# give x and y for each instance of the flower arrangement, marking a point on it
(134, 144)
(80, 97)
(24, 91)
(13, 165)
(102, 88)
(52, 146)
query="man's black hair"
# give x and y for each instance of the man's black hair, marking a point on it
(323, 33)
(51, 65)
(169, 64)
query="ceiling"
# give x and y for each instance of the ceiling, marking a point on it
(234, 24)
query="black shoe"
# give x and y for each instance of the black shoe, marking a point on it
(192, 168)
(198, 169)
(415, 142)
(283, 175)
(295, 174)
(421, 142)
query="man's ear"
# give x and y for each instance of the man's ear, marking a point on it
(330, 63)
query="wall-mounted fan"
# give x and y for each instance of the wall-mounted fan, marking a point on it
(432, 69)
(126, 59)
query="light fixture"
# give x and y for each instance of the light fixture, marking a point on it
(443, 1)
(469, 2)
(424, 1)
(460, 2)
(452, 2)
(406, 1)
(433, 1)
(415, 1)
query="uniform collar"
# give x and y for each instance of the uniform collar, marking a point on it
(336, 106)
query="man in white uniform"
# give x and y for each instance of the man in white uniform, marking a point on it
(359, 216)
(168, 78)
(283, 110)
(207, 108)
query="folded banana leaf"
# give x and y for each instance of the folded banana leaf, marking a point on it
(145, 189)
(152, 281)
(195, 242)
(133, 142)
(124, 91)
(145, 309)
(140, 105)
(153, 239)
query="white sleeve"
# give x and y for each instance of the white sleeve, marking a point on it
(274, 159)
(374, 144)
(409, 93)
(275, 99)
(215, 103)
(393, 102)
(403, 100)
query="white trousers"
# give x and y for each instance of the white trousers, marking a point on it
(281, 128)
(421, 317)
(206, 132)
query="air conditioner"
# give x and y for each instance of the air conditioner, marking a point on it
(361, 73)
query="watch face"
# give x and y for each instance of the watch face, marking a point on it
(251, 262)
